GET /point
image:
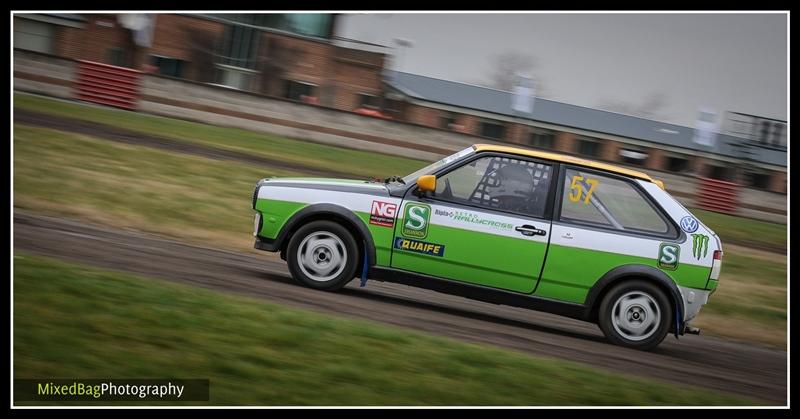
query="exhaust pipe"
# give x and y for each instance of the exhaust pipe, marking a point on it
(692, 330)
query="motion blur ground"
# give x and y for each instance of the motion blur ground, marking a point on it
(178, 195)
(166, 198)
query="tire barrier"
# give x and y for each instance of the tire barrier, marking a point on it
(717, 195)
(107, 84)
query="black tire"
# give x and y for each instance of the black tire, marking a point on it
(631, 329)
(322, 239)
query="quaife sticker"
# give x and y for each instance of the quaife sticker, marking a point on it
(382, 213)
(415, 221)
(668, 256)
(417, 246)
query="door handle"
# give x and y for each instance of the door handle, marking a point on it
(529, 230)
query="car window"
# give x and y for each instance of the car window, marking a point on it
(608, 202)
(501, 183)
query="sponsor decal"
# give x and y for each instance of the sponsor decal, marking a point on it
(699, 245)
(468, 217)
(689, 224)
(382, 213)
(668, 256)
(415, 221)
(417, 246)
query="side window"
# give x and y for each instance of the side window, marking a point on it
(499, 183)
(590, 198)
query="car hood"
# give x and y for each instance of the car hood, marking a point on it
(344, 185)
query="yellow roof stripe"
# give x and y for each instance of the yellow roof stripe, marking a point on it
(563, 158)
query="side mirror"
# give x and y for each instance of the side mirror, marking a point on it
(426, 183)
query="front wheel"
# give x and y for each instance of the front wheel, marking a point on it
(635, 314)
(322, 255)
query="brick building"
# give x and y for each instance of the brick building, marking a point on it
(298, 57)
(293, 56)
(757, 160)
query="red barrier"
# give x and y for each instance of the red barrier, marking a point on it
(107, 84)
(717, 195)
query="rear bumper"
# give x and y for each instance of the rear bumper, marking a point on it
(693, 300)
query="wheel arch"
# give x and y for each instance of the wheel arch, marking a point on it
(328, 212)
(629, 272)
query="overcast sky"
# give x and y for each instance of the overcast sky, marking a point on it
(731, 62)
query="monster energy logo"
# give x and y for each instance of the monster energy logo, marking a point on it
(699, 245)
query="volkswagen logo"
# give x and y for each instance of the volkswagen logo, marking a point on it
(689, 224)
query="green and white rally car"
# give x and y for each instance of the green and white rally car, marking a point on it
(506, 225)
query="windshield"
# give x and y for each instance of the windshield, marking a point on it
(412, 178)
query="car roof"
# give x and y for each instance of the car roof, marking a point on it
(564, 159)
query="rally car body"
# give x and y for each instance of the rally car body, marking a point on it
(510, 226)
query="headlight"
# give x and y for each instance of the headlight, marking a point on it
(255, 195)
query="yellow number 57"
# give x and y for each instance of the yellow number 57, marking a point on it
(576, 189)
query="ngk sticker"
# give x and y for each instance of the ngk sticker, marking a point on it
(382, 213)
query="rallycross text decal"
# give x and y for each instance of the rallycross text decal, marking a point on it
(419, 247)
(471, 218)
(415, 220)
(699, 245)
(382, 213)
(668, 255)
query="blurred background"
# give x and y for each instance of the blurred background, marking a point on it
(160, 124)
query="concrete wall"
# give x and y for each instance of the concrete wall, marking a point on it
(220, 106)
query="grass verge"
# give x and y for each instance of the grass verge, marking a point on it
(74, 321)
(359, 163)
(207, 202)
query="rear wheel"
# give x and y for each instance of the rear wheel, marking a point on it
(322, 255)
(635, 314)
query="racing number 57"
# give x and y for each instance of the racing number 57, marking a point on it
(576, 189)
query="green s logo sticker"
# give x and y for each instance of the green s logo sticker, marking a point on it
(415, 220)
(668, 255)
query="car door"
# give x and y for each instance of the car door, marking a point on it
(604, 221)
(487, 223)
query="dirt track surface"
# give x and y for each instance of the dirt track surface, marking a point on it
(697, 360)
(122, 135)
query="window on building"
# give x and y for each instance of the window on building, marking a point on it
(33, 36)
(300, 91)
(542, 138)
(677, 164)
(633, 156)
(118, 57)
(589, 148)
(168, 66)
(310, 24)
(493, 129)
(720, 173)
(240, 46)
(447, 120)
(602, 201)
(498, 183)
(235, 77)
(366, 100)
(758, 180)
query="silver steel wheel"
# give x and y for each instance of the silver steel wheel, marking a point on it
(636, 315)
(322, 256)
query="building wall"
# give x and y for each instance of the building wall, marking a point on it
(339, 74)
(422, 115)
(777, 182)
